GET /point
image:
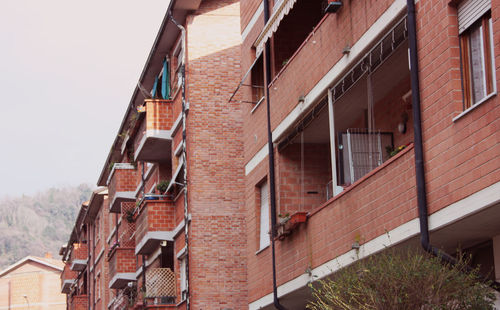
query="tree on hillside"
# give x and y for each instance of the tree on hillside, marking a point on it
(33, 225)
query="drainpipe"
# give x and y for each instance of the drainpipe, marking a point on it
(184, 155)
(418, 146)
(272, 186)
(89, 294)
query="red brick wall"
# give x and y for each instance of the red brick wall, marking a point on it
(79, 302)
(67, 273)
(461, 157)
(123, 180)
(379, 202)
(215, 166)
(321, 50)
(122, 261)
(295, 185)
(159, 114)
(156, 215)
(79, 251)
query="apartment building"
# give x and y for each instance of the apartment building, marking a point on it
(367, 126)
(356, 125)
(165, 229)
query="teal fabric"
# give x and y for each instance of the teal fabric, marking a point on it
(153, 92)
(165, 85)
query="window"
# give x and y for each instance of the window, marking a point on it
(475, 27)
(97, 230)
(182, 264)
(258, 80)
(264, 239)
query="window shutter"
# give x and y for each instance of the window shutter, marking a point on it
(471, 10)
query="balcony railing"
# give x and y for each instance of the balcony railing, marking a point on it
(78, 302)
(153, 142)
(160, 285)
(68, 278)
(126, 228)
(79, 255)
(122, 266)
(155, 223)
(380, 201)
(121, 185)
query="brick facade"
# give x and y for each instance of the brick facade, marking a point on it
(343, 138)
(460, 154)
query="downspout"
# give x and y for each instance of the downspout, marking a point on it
(91, 303)
(418, 147)
(272, 185)
(184, 155)
(89, 294)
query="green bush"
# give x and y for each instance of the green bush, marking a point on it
(400, 280)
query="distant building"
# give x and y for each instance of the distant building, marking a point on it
(32, 283)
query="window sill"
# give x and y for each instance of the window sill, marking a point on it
(459, 116)
(261, 250)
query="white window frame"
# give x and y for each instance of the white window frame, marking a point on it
(182, 277)
(468, 19)
(265, 223)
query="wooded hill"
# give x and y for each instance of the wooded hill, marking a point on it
(34, 225)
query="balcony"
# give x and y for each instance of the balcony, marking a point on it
(68, 278)
(362, 122)
(155, 223)
(78, 302)
(126, 228)
(160, 286)
(79, 255)
(309, 56)
(121, 267)
(153, 142)
(121, 185)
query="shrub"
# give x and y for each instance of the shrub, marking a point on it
(399, 280)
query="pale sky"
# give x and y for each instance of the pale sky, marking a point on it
(67, 72)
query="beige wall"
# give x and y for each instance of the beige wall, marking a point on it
(40, 284)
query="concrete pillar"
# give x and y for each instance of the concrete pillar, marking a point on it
(496, 256)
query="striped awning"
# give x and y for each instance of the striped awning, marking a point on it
(273, 23)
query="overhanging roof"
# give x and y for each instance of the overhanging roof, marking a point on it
(95, 202)
(163, 43)
(55, 265)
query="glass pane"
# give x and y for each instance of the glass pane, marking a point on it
(477, 64)
(264, 216)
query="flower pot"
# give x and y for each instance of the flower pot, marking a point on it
(298, 217)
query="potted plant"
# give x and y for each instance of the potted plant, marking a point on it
(297, 218)
(129, 215)
(162, 186)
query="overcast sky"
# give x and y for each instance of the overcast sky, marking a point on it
(67, 72)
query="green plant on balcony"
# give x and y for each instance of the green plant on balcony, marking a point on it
(130, 155)
(391, 151)
(162, 186)
(283, 217)
(130, 215)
